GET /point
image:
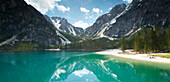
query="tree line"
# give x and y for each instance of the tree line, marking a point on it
(102, 43)
(152, 39)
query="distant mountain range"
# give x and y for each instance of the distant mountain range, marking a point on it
(22, 23)
(63, 25)
(124, 21)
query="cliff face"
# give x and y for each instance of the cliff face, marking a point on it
(98, 25)
(25, 23)
(140, 13)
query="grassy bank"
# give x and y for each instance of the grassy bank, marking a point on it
(161, 55)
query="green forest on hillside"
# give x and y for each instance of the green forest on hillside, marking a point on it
(101, 43)
(152, 39)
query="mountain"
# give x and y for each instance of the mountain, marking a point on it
(20, 22)
(140, 13)
(104, 20)
(63, 25)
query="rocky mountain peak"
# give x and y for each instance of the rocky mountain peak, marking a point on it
(118, 8)
(98, 25)
(63, 25)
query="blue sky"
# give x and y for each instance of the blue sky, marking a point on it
(80, 13)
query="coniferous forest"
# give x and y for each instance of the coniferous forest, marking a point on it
(151, 39)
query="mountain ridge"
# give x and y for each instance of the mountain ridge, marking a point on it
(140, 13)
(63, 25)
(102, 21)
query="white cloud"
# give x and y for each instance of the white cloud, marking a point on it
(101, 11)
(81, 73)
(62, 8)
(129, 1)
(81, 24)
(44, 5)
(84, 10)
(97, 10)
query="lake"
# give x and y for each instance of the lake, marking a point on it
(53, 66)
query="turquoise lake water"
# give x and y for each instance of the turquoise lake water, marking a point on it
(50, 66)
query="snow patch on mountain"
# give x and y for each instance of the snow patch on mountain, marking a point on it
(136, 31)
(72, 30)
(106, 25)
(100, 34)
(8, 40)
(114, 19)
(129, 32)
(56, 23)
(111, 22)
(63, 39)
(101, 31)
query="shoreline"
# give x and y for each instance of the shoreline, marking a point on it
(142, 57)
(58, 49)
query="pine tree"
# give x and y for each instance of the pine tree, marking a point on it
(145, 48)
(168, 34)
(123, 44)
(153, 39)
(149, 38)
(137, 45)
(161, 40)
(144, 39)
(158, 38)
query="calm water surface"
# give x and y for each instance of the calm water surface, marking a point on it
(50, 66)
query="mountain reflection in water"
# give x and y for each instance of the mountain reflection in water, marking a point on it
(77, 66)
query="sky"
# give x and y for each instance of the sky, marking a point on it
(80, 13)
